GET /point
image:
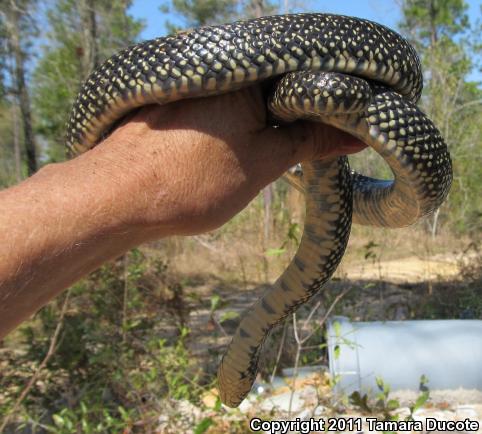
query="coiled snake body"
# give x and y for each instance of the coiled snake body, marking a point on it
(354, 74)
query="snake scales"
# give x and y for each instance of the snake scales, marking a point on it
(354, 74)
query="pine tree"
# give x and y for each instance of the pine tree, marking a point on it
(81, 35)
(17, 25)
(440, 30)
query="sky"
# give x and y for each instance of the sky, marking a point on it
(382, 11)
(385, 12)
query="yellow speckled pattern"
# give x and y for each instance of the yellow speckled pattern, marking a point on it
(348, 72)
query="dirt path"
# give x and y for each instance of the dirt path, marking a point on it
(411, 269)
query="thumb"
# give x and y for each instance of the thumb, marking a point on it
(300, 141)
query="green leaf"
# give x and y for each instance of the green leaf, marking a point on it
(392, 404)
(421, 400)
(133, 324)
(337, 328)
(361, 401)
(203, 426)
(228, 316)
(275, 252)
(336, 350)
(379, 382)
(385, 388)
(58, 420)
(124, 414)
(215, 302)
(293, 232)
(423, 383)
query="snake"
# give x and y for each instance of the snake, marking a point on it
(354, 74)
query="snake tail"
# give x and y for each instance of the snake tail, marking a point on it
(321, 248)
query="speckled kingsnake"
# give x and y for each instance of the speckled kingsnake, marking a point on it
(351, 73)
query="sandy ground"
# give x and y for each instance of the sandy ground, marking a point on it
(411, 269)
(445, 405)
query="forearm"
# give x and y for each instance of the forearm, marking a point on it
(57, 226)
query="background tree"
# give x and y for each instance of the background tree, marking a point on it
(81, 35)
(429, 20)
(259, 8)
(438, 29)
(7, 143)
(8, 168)
(90, 50)
(194, 13)
(3, 55)
(18, 28)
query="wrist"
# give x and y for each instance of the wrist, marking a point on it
(89, 201)
(122, 180)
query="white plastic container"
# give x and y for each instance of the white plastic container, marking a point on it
(447, 352)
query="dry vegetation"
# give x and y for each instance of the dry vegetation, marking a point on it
(167, 312)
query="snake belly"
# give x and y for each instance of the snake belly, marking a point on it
(351, 73)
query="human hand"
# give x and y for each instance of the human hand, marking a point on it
(189, 166)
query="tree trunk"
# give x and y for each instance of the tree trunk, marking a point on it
(15, 125)
(258, 8)
(90, 55)
(16, 144)
(268, 219)
(286, 6)
(13, 26)
(433, 25)
(127, 30)
(434, 223)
